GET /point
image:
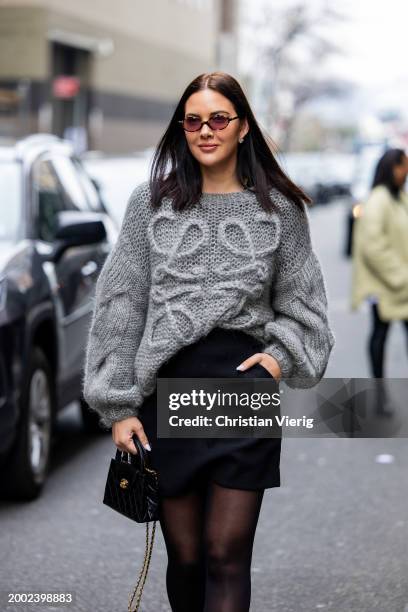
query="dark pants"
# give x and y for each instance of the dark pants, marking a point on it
(377, 339)
(243, 463)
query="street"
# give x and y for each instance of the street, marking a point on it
(333, 537)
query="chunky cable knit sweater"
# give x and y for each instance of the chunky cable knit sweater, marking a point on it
(172, 276)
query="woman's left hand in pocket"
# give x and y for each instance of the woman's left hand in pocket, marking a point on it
(267, 361)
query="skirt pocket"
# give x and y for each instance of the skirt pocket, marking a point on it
(258, 371)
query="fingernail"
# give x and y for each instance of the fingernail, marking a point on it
(147, 445)
(240, 367)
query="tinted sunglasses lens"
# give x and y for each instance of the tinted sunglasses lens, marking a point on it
(218, 122)
(191, 124)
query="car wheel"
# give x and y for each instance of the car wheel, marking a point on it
(27, 466)
(90, 419)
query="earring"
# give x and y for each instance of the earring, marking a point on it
(241, 140)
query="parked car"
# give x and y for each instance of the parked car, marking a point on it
(116, 177)
(324, 175)
(55, 234)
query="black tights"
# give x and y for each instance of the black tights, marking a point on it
(209, 534)
(376, 343)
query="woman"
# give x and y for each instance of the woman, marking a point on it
(380, 260)
(213, 270)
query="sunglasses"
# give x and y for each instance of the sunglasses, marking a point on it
(218, 122)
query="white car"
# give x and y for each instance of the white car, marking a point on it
(116, 177)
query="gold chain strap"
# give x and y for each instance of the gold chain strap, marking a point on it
(146, 561)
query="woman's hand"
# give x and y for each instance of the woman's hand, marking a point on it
(122, 432)
(267, 361)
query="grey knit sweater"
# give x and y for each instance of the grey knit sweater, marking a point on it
(173, 276)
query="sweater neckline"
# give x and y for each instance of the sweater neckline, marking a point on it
(213, 193)
(229, 195)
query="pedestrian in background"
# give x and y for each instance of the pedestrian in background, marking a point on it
(380, 260)
(213, 275)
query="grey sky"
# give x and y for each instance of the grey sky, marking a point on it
(373, 38)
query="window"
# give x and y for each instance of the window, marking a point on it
(88, 186)
(68, 177)
(50, 199)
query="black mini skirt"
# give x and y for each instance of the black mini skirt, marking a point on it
(239, 463)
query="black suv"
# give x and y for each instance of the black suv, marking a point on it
(54, 237)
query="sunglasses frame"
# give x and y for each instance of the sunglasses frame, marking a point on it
(229, 119)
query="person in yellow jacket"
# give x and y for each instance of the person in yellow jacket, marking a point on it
(380, 256)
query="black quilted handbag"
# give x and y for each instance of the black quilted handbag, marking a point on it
(132, 489)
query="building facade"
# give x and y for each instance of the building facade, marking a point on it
(105, 74)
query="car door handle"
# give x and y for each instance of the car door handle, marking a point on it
(89, 268)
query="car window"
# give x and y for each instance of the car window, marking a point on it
(50, 199)
(68, 175)
(88, 186)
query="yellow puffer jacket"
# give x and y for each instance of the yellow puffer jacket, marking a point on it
(380, 254)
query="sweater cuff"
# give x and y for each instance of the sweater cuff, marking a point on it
(282, 356)
(108, 417)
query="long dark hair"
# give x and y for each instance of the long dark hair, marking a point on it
(384, 172)
(175, 172)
